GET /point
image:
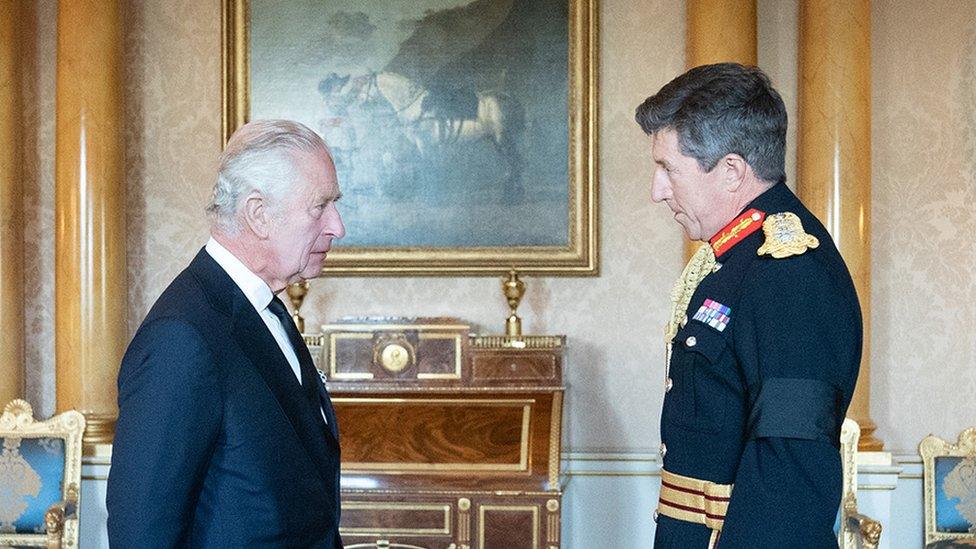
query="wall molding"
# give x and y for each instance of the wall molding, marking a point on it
(612, 495)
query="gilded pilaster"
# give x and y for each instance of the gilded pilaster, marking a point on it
(834, 151)
(718, 31)
(89, 213)
(11, 208)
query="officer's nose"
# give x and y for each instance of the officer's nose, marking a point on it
(660, 186)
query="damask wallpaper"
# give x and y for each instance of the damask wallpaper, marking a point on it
(38, 149)
(924, 324)
(924, 216)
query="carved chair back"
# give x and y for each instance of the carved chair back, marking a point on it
(856, 531)
(40, 477)
(949, 481)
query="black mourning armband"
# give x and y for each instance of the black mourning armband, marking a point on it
(806, 409)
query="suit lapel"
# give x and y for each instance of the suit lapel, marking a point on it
(329, 411)
(261, 349)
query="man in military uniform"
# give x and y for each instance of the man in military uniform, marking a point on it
(764, 338)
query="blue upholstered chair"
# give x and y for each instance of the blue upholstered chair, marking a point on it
(40, 477)
(949, 480)
(855, 531)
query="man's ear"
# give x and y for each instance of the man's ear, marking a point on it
(256, 215)
(736, 170)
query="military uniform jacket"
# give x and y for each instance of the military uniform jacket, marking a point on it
(757, 399)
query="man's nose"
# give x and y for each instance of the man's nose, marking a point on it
(336, 227)
(660, 186)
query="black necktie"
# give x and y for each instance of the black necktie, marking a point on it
(309, 382)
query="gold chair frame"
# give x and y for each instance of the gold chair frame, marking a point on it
(858, 531)
(61, 519)
(930, 448)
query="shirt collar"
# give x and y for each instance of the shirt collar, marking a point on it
(255, 290)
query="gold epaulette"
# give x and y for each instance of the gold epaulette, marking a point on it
(785, 236)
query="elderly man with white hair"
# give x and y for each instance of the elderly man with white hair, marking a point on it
(226, 435)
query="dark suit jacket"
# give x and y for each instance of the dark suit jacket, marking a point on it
(215, 444)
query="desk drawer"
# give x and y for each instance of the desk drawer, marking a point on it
(514, 366)
(473, 521)
(395, 518)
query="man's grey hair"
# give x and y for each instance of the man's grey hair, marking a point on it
(721, 109)
(260, 156)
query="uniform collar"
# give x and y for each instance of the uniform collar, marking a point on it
(737, 230)
(751, 218)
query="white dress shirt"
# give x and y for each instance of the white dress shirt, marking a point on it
(259, 295)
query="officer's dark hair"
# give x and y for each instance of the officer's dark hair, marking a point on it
(721, 109)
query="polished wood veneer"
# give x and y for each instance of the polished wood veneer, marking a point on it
(436, 433)
(515, 366)
(449, 440)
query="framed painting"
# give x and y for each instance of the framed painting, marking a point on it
(464, 132)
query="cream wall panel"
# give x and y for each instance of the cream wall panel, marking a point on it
(613, 322)
(38, 149)
(172, 93)
(924, 194)
(924, 215)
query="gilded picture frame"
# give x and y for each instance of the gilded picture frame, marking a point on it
(567, 243)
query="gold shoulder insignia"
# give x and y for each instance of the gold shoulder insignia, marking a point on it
(785, 236)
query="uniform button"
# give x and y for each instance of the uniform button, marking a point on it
(655, 515)
(664, 450)
(667, 385)
(684, 320)
(691, 341)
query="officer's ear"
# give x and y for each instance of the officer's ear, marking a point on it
(256, 216)
(736, 171)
